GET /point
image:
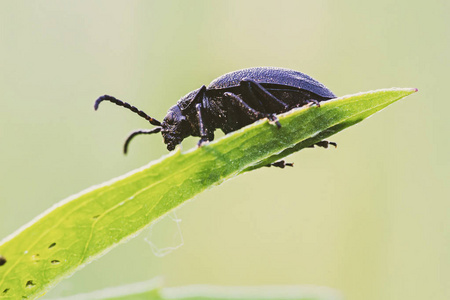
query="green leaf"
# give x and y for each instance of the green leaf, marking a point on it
(151, 290)
(85, 226)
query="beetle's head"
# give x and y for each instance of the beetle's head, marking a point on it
(175, 127)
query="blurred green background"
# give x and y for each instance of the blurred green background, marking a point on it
(370, 218)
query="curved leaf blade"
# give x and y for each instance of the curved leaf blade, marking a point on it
(85, 226)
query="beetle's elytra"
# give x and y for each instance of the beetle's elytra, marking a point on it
(232, 101)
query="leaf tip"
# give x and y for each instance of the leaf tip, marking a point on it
(410, 90)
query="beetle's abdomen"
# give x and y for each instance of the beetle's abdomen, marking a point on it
(272, 75)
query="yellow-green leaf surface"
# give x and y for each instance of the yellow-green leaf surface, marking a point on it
(152, 290)
(85, 226)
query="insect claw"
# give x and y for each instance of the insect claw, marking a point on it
(202, 142)
(324, 144)
(280, 164)
(313, 102)
(274, 120)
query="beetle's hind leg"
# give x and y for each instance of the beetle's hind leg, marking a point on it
(263, 99)
(312, 102)
(236, 101)
(280, 164)
(267, 100)
(250, 112)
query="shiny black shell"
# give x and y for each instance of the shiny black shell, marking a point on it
(272, 76)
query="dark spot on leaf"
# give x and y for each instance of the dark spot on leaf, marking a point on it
(2, 260)
(5, 291)
(95, 217)
(36, 258)
(30, 284)
(52, 245)
(55, 261)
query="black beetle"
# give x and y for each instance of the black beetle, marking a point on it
(233, 101)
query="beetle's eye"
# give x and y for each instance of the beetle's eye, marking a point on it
(169, 120)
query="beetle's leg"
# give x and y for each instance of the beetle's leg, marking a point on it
(244, 107)
(268, 100)
(263, 99)
(280, 164)
(197, 98)
(249, 111)
(274, 120)
(201, 124)
(324, 144)
(312, 102)
(137, 132)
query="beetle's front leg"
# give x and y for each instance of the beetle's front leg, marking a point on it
(204, 137)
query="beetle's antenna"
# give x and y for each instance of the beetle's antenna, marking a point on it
(126, 105)
(137, 132)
